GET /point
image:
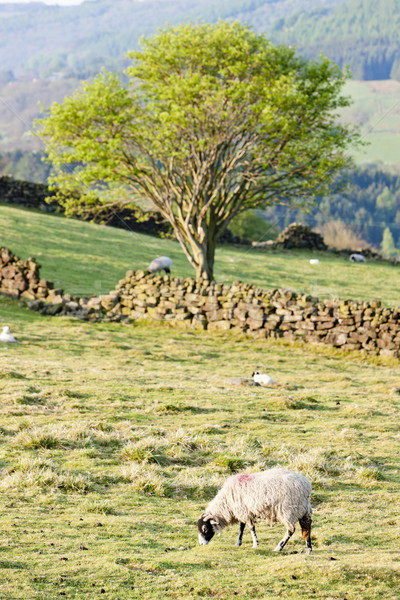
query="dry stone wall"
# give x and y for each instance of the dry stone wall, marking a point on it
(25, 193)
(21, 278)
(239, 307)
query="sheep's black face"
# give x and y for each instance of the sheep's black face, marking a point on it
(206, 530)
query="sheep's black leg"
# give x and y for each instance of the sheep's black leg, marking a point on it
(283, 542)
(240, 538)
(254, 536)
(305, 523)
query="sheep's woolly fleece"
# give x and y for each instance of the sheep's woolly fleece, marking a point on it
(262, 378)
(276, 495)
(6, 336)
(159, 264)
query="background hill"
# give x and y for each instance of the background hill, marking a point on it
(361, 34)
(37, 40)
(45, 52)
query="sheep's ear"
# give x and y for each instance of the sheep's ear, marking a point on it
(214, 521)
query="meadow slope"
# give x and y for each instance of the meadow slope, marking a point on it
(113, 438)
(84, 258)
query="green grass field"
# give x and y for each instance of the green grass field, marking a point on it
(376, 110)
(113, 439)
(85, 258)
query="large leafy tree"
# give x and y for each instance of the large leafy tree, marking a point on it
(215, 121)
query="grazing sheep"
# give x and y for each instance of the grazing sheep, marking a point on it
(6, 336)
(159, 264)
(358, 258)
(262, 379)
(276, 495)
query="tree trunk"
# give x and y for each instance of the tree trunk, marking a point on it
(205, 262)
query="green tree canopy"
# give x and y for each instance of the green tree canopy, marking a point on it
(215, 121)
(387, 245)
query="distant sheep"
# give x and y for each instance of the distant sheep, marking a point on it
(357, 258)
(276, 495)
(262, 378)
(159, 264)
(6, 336)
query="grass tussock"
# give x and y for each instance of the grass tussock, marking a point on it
(145, 478)
(78, 434)
(11, 375)
(39, 437)
(98, 506)
(39, 473)
(31, 400)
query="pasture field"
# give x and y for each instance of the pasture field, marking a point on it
(113, 438)
(375, 109)
(84, 258)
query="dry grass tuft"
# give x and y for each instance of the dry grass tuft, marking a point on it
(145, 478)
(34, 473)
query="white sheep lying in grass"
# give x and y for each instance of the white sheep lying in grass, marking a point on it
(159, 264)
(262, 378)
(6, 336)
(276, 495)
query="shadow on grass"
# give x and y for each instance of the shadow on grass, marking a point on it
(180, 408)
(4, 431)
(10, 564)
(11, 375)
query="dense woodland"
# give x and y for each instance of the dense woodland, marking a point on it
(370, 204)
(78, 40)
(38, 40)
(361, 34)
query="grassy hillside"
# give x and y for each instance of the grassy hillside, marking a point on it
(376, 110)
(85, 258)
(21, 103)
(113, 439)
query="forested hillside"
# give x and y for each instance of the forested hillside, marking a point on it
(363, 34)
(39, 40)
(78, 40)
(370, 205)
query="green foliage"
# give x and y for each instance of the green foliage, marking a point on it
(387, 245)
(202, 135)
(386, 201)
(252, 226)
